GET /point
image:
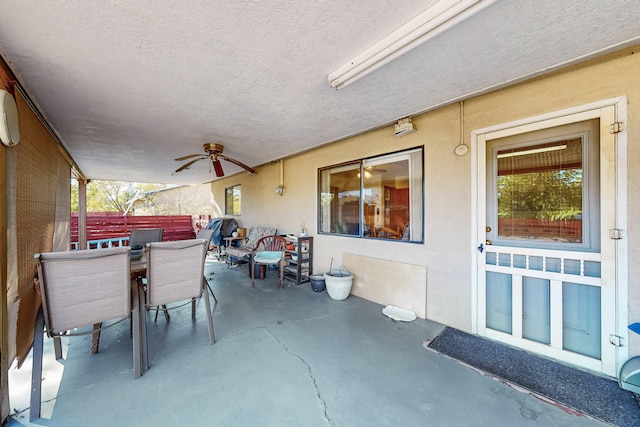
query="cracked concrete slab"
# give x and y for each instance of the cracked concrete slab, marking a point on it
(283, 357)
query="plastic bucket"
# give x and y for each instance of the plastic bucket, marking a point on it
(338, 284)
(317, 282)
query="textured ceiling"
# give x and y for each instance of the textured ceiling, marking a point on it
(131, 84)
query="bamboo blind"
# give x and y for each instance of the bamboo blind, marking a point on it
(568, 158)
(38, 216)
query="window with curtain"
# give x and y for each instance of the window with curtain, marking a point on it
(378, 198)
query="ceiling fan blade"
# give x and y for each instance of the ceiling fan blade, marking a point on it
(234, 161)
(217, 166)
(184, 167)
(179, 159)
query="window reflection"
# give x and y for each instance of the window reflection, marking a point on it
(374, 198)
(233, 200)
(540, 192)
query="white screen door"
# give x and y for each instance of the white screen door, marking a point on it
(546, 265)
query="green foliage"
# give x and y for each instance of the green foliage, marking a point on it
(112, 196)
(74, 195)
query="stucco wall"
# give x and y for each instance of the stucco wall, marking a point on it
(448, 244)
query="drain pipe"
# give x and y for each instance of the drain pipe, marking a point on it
(280, 188)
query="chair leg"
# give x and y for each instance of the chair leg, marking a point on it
(166, 313)
(143, 328)
(136, 330)
(193, 308)
(210, 290)
(57, 347)
(281, 274)
(253, 273)
(212, 337)
(36, 370)
(212, 294)
(95, 338)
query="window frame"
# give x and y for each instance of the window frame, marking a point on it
(228, 192)
(590, 187)
(416, 209)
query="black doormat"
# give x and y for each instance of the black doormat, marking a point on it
(590, 394)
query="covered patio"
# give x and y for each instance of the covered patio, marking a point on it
(282, 357)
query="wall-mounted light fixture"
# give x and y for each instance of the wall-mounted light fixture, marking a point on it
(462, 148)
(442, 15)
(9, 124)
(403, 127)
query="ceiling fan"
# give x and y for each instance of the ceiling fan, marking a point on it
(214, 152)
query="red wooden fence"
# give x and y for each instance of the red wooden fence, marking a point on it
(112, 225)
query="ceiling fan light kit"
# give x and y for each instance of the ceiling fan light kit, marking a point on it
(440, 16)
(213, 151)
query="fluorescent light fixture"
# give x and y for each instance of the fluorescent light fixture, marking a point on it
(532, 151)
(440, 16)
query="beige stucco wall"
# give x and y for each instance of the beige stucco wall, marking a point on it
(448, 243)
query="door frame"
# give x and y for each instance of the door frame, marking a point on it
(478, 139)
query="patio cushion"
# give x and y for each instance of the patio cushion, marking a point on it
(238, 252)
(255, 234)
(268, 257)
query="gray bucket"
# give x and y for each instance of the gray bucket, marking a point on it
(317, 282)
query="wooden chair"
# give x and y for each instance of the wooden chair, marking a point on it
(174, 274)
(78, 289)
(269, 251)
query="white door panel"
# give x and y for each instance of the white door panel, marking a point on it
(546, 266)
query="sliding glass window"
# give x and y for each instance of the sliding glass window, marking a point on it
(233, 199)
(379, 197)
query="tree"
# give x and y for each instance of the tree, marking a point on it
(112, 196)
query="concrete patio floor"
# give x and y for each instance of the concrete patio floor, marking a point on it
(283, 357)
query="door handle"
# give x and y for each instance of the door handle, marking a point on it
(481, 247)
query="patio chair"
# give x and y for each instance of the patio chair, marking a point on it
(174, 274)
(207, 235)
(78, 289)
(269, 251)
(142, 236)
(244, 252)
